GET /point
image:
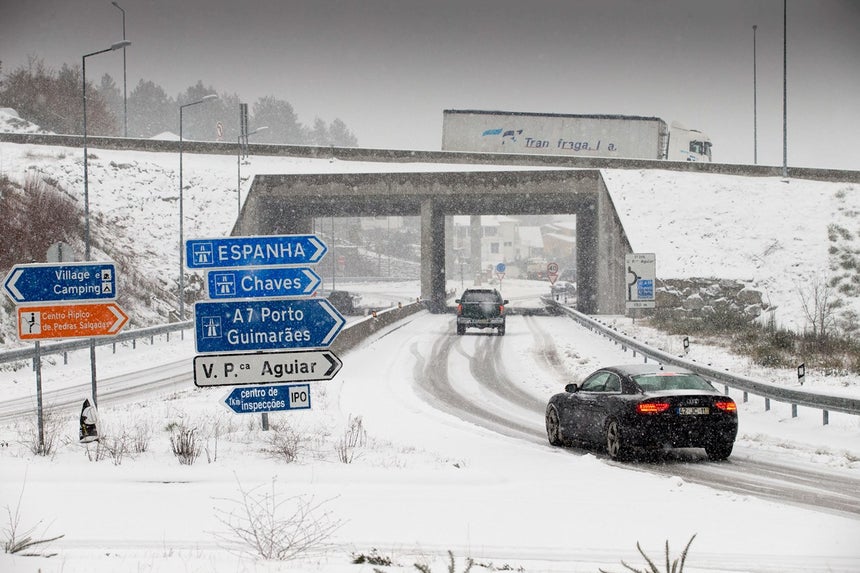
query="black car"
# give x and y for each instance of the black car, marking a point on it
(481, 308)
(643, 407)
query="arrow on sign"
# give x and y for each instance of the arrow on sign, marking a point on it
(261, 282)
(70, 321)
(247, 325)
(61, 282)
(265, 368)
(253, 399)
(270, 250)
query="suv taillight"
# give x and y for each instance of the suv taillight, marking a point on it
(501, 309)
(459, 309)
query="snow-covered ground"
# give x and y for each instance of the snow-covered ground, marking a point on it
(424, 482)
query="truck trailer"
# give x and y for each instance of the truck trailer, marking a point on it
(618, 136)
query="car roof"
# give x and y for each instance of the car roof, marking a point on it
(645, 368)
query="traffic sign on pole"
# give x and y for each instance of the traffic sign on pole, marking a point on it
(253, 399)
(61, 282)
(248, 325)
(261, 282)
(265, 368)
(552, 272)
(70, 320)
(267, 250)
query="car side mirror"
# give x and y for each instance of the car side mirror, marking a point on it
(505, 301)
(571, 388)
(457, 300)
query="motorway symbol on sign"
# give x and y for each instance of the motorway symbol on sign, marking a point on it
(248, 325)
(253, 399)
(269, 250)
(70, 320)
(265, 368)
(261, 282)
(61, 282)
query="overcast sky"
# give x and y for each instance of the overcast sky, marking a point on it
(388, 68)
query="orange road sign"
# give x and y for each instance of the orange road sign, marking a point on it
(70, 320)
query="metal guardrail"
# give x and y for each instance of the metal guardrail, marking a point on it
(29, 352)
(824, 402)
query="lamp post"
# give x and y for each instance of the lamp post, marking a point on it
(206, 98)
(755, 104)
(239, 164)
(124, 76)
(113, 47)
(784, 89)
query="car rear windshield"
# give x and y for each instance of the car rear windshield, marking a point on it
(480, 296)
(671, 381)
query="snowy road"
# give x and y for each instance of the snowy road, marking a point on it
(501, 384)
(484, 384)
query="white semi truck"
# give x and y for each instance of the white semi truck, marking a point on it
(620, 136)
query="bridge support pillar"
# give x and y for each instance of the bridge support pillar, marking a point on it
(475, 233)
(433, 255)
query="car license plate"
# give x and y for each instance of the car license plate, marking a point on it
(694, 411)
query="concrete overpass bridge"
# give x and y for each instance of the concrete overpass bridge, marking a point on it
(287, 204)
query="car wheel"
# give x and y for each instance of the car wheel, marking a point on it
(553, 427)
(461, 329)
(719, 450)
(616, 446)
(501, 331)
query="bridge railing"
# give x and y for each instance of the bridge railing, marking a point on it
(825, 402)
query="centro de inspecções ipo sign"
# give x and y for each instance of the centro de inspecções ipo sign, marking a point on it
(253, 399)
(267, 250)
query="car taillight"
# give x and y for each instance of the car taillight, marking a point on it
(459, 309)
(501, 309)
(652, 407)
(726, 405)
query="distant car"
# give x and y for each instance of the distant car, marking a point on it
(643, 407)
(481, 308)
(344, 301)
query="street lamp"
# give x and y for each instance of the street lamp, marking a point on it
(206, 98)
(784, 88)
(755, 104)
(113, 47)
(239, 163)
(124, 83)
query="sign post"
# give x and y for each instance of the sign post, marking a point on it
(61, 282)
(80, 305)
(263, 399)
(83, 320)
(250, 325)
(552, 272)
(274, 314)
(265, 368)
(641, 278)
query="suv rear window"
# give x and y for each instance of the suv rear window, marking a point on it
(480, 296)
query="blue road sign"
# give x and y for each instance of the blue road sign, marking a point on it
(253, 399)
(262, 282)
(270, 250)
(61, 282)
(248, 325)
